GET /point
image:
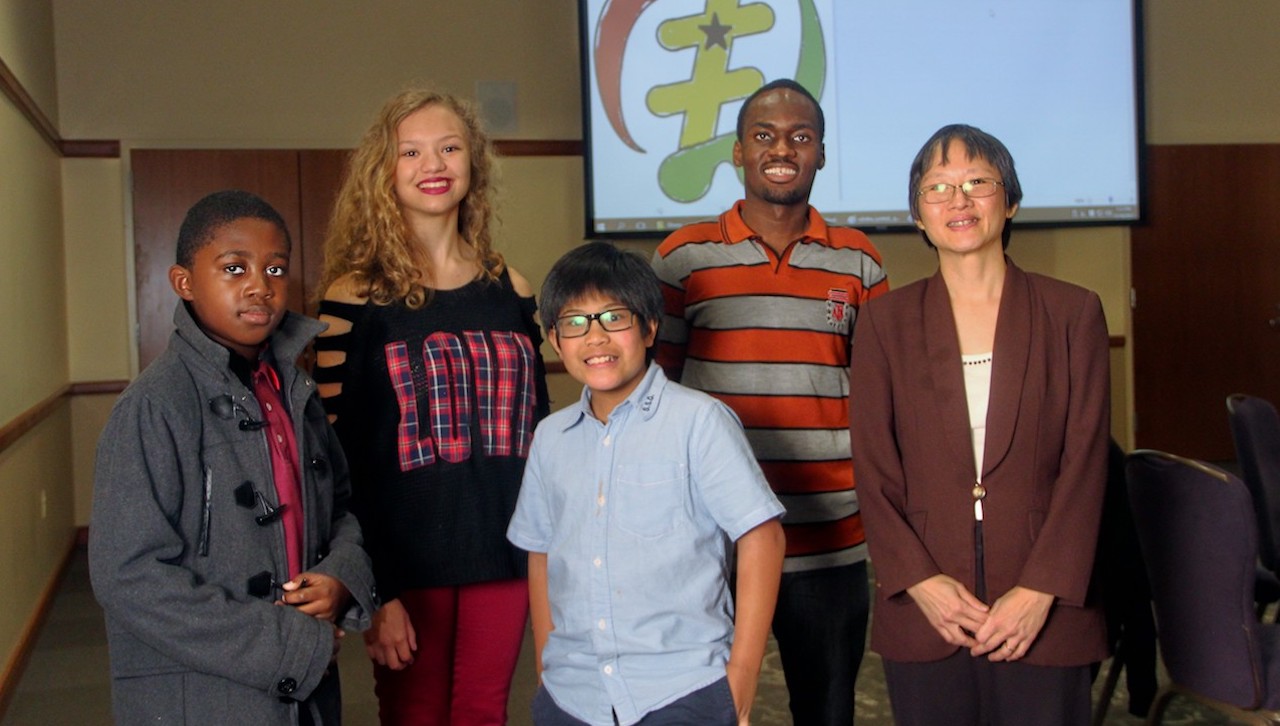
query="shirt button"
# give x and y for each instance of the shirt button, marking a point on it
(279, 439)
(596, 562)
(600, 500)
(269, 408)
(600, 624)
(608, 670)
(608, 440)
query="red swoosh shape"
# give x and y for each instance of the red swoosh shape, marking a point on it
(616, 21)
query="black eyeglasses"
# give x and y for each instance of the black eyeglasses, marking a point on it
(974, 189)
(613, 320)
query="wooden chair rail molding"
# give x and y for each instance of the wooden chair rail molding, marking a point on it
(32, 417)
(12, 88)
(29, 419)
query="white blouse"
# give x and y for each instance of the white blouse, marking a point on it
(977, 389)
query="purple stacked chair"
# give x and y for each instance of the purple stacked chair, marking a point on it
(1199, 539)
(1255, 428)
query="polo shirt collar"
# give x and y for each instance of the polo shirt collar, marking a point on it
(735, 229)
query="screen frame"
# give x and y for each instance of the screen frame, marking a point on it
(585, 45)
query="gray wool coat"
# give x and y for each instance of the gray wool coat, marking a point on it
(185, 571)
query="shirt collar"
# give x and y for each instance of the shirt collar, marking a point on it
(735, 229)
(644, 398)
(244, 369)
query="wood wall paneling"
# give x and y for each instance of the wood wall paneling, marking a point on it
(320, 173)
(1206, 275)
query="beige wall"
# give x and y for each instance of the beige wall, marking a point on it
(294, 74)
(99, 284)
(35, 496)
(26, 47)
(88, 418)
(98, 274)
(35, 523)
(1212, 72)
(33, 354)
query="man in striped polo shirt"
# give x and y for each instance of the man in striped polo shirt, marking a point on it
(759, 312)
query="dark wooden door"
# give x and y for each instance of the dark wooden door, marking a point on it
(166, 182)
(320, 173)
(1206, 277)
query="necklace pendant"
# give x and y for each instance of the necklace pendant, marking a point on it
(979, 492)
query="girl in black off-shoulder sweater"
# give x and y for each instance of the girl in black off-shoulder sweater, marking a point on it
(432, 374)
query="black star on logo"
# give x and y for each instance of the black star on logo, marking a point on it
(716, 33)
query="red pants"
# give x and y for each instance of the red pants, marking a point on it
(468, 641)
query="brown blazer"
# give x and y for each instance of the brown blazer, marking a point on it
(1044, 466)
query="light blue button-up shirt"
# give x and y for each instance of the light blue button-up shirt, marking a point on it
(638, 517)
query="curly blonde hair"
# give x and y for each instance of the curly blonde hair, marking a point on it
(368, 237)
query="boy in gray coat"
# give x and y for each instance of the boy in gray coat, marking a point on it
(220, 544)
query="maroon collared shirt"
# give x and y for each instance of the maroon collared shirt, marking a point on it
(283, 445)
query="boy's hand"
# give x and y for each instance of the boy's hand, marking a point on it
(760, 553)
(320, 596)
(742, 684)
(391, 640)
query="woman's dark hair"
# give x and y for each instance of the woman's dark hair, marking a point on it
(208, 215)
(980, 145)
(600, 267)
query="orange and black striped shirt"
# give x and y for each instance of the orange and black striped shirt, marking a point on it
(770, 337)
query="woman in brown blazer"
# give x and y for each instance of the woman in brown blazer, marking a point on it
(979, 402)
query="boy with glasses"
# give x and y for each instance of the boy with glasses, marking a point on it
(632, 502)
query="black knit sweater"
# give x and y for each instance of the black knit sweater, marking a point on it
(436, 413)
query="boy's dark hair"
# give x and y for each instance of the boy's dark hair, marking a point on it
(601, 268)
(215, 210)
(790, 85)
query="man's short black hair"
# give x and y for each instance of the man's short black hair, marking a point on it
(790, 85)
(208, 215)
(600, 267)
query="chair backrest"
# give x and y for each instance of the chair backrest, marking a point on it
(1255, 427)
(1196, 527)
